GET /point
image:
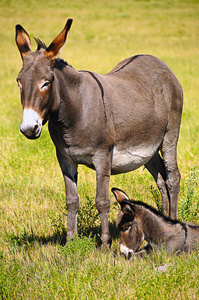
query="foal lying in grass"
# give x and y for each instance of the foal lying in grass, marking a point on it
(140, 222)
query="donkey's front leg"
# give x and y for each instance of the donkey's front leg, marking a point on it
(69, 170)
(103, 171)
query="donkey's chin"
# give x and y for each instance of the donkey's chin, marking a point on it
(32, 135)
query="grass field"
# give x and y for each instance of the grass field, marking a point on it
(34, 264)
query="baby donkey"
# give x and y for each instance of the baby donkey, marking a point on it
(140, 222)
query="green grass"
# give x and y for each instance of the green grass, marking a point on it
(83, 272)
(34, 264)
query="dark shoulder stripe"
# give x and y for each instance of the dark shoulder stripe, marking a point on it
(100, 86)
(98, 82)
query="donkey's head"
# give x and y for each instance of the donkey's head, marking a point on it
(129, 223)
(36, 79)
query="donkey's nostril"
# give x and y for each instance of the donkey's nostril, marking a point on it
(36, 127)
(130, 254)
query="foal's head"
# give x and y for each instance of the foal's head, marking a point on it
(36, 79)
(129, 223)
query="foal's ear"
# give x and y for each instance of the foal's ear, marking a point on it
(119, 195)
(23, 41)
(127, 208)
(57, 44)
(124, 201)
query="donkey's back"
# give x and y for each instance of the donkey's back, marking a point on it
(145, 69)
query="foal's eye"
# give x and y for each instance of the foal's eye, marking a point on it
(126, 228)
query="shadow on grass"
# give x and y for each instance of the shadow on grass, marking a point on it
(28, 239)
(59, 236)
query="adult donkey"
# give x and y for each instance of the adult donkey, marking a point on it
(112, 123)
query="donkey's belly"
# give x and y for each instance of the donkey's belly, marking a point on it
(126, 160)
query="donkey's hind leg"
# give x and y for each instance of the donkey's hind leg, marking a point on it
(156, 167)
(102, 162)
(169, 155)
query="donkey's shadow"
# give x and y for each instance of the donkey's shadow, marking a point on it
(59, 237)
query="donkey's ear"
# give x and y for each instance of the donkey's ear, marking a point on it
(127, 208)
(57, 44)
(23, 41)
(119, 195)
(124, 201)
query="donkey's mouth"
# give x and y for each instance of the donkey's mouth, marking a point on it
(32, 135)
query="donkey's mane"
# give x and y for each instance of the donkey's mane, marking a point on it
(153, 210)
(159, 214)
(40, 44)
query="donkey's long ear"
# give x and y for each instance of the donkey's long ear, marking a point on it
(119, 195)
(23, 41)
(124, 201)
(57, 44)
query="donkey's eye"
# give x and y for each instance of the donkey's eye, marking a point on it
(126, 228)
(44, 85)
(20, 85)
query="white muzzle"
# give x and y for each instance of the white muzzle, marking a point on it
(31, 125)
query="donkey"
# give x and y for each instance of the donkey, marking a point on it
(112, 123)
(139, 222)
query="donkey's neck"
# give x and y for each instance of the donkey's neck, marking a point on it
(68, 79)
(65, 92)
(156, 227)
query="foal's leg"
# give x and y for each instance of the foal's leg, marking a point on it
(156, 167)
(69, 170)
(103, 170)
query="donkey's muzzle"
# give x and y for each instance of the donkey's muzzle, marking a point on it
(124, 250)
(31, 125)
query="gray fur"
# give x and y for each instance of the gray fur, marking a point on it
(140, 222)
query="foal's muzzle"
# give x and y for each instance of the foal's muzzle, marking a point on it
(128, 253)
(31, 125)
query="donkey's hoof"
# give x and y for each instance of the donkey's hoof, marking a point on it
(106, 242)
